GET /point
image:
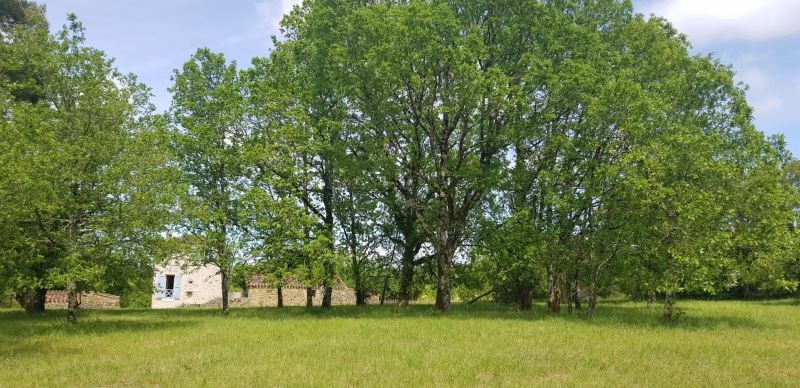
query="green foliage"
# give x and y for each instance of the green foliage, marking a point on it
(513, 148)
(77, 209)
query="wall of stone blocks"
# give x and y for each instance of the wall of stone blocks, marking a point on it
(268, 297)
(57, 300)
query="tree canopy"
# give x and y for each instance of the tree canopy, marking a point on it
(464, 148)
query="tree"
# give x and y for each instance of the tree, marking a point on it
(684, 177)
(24, 30)
(207, 144)
(441, 110)
(69, 191)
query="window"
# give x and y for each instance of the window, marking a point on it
(170, 286)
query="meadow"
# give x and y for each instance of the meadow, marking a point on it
(713, 343)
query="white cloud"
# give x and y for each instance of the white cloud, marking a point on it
(768, 105)
(708, 21)
(268, 15)
(270, 12)
(755, 78)
(764, 93)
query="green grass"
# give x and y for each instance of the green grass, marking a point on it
(714, 343)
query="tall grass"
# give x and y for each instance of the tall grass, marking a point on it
(714, 343)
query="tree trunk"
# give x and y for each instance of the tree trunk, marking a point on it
(669, 308)
(592, 301)
(280, 296)
(72, 302)
(327, 293)
(481, 296)
(554, 292)
(443, 266)
(569, 292)
(407, 275)
(32, 301)
(576, 295)
(309, 297)
(383, 291)
(225, 280)
(361, 299)
(651, 298)
(327, 201)
(524, 298)
(327, 296)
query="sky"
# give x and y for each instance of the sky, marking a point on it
(151, 38)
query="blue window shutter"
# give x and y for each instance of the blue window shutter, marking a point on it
(160, 284)
(176, 292)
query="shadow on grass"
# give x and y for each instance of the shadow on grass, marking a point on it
(24, 334)
(16, 325)
(779, 302)
(608, 314)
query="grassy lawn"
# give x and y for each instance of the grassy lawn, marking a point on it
(715, 343)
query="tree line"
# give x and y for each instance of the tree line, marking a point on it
(566, 149)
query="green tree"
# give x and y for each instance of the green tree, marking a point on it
(207, 145)
(441, 109)
(67, 187)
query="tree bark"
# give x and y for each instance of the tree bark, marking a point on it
(524, 298)
(406, 279)
(443, 269)
(412, 243)
(383, 291)
(407, 274)
(280, 296)
(225, 280)
(554, 292)
(327, 293)
(592, 301)
(479, 297)
(32, 301)
(669, 307)
(569, 292)
(72, 302)
(327, 202)
(309, 297)
(576, 294)
(361, 298)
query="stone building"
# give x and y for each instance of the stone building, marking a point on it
(179, 284)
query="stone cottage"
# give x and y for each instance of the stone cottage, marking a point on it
(180, 284)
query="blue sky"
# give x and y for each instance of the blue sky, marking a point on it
(760, 38)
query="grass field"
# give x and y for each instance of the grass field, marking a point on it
(713, 344)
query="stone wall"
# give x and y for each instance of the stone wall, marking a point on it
(268, 297)
(263, 293)
(58, 300)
